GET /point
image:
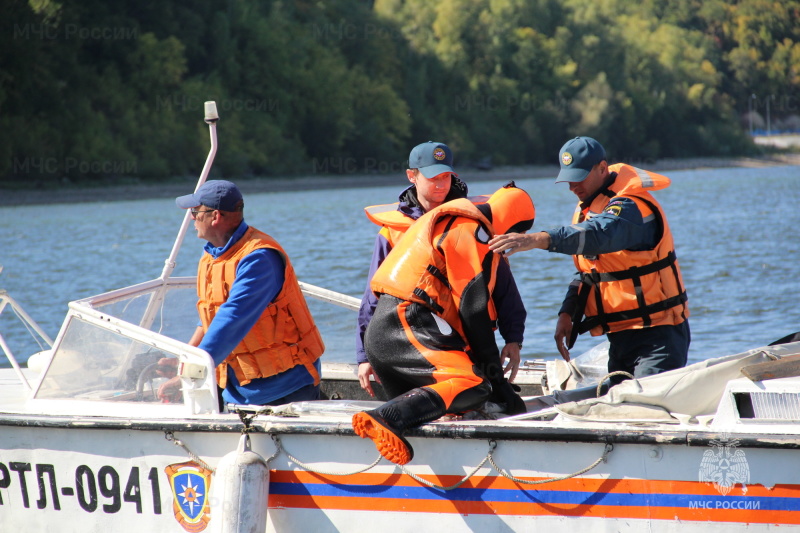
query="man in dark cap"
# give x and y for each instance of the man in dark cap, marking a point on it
(431, 340)
(433, 182)
(254, 321)
(629, 284)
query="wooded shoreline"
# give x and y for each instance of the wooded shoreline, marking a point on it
(112, 92)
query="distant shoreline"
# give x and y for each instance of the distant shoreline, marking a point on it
(177, 187)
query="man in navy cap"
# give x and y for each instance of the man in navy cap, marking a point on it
(254, 321)
(629, 284)
(433, 182)
(432, 339)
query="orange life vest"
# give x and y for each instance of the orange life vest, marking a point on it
(632, 289)
(395, 223)
(284, 336)
(415, 271)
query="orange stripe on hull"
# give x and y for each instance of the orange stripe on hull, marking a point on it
(578, 497)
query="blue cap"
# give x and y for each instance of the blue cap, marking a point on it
(216, 194)
(431, 159)
(577, 157)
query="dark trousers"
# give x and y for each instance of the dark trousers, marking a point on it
(303, 394)
(309, 393)
(648, 351)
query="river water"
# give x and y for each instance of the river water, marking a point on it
(735, 231)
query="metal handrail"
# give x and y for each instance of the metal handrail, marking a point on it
(29, 323)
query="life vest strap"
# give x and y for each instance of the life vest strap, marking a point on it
(430, 302)
(635, 274)
(594, 277)
(452, 219)
(438, 274)
(598, 301)
(641, 302)
(606, 319)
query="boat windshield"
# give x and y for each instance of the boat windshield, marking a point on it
(113, 347)
(98, 364)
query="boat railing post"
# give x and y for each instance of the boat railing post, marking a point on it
(329, 296)
(5, 300)
(211, 118)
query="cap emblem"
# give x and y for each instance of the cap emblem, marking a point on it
(566, 158)
(439, 155)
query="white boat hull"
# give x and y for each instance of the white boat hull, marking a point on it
(99, 475)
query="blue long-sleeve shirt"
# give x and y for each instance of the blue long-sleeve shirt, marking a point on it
(259, 279)
(511, 311)
(605, 232)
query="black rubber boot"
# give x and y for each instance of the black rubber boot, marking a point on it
(386, 424)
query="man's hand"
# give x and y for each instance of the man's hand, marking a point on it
(511, 243)
(503, 392)
(563, 331)
(511, 352)
(364, 372)
(170, 390)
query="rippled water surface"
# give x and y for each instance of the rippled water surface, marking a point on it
(736, 233)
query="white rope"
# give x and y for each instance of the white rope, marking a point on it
(451, 487)
(616, 373)
(317, 470)
(404, 469)
(503, 473)
(177, 442)
(489, 457)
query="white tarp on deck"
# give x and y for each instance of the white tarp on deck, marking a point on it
(675, 396)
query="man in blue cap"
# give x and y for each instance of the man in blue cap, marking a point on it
(433, 182)
(629, 284)
(432, 339)
(254, 321)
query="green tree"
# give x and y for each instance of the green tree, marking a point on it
(93, 90)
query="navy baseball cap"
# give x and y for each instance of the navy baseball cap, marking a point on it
(431, 158)
(216, 194)
(577, 157)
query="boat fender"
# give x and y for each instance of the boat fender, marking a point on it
(39, 361)
(239, 492)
